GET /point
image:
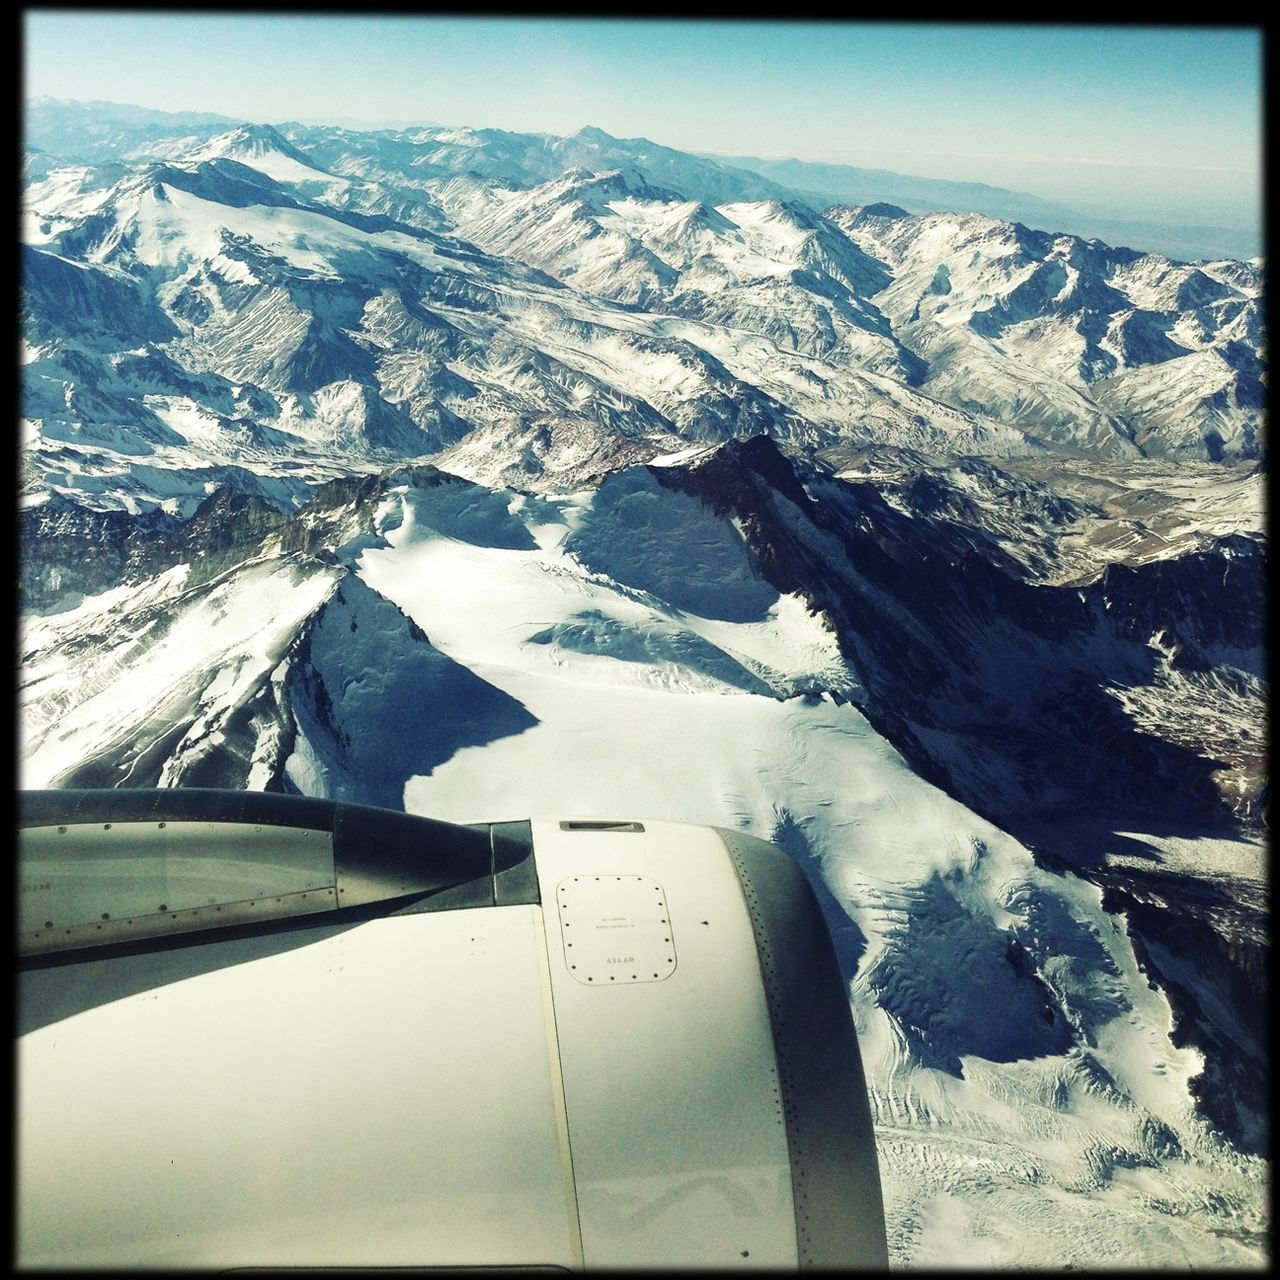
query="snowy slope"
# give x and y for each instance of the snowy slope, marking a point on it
(74, 732)
(261, 147)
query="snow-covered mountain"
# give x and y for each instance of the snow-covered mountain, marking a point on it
(1171, 350)
(765, 267)
(300, 274)
(490, 474)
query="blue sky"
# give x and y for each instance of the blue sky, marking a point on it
(1151, 121)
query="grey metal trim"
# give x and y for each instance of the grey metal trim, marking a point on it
(379, 854)
(835, 1175)
(172, 804)
(373, 859)
(600, 824)
(515, 875)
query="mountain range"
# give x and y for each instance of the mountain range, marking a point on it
(482, 474)
(822, 185)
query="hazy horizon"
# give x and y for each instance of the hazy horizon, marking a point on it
(1161, 124)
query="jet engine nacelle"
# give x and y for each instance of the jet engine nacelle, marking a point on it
(260, 1030)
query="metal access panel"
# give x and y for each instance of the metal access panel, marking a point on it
(615, 929)
(675, 1117)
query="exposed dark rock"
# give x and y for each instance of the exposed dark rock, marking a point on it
(995, 689)
(68, 551)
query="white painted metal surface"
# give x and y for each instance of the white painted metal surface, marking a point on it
(675, 1124)
(384, 1094)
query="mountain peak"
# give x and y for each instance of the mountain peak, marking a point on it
(882, 209)
(607, 184)
(724, 475)
(255, 139)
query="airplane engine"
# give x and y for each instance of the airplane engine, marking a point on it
(264, 1031)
